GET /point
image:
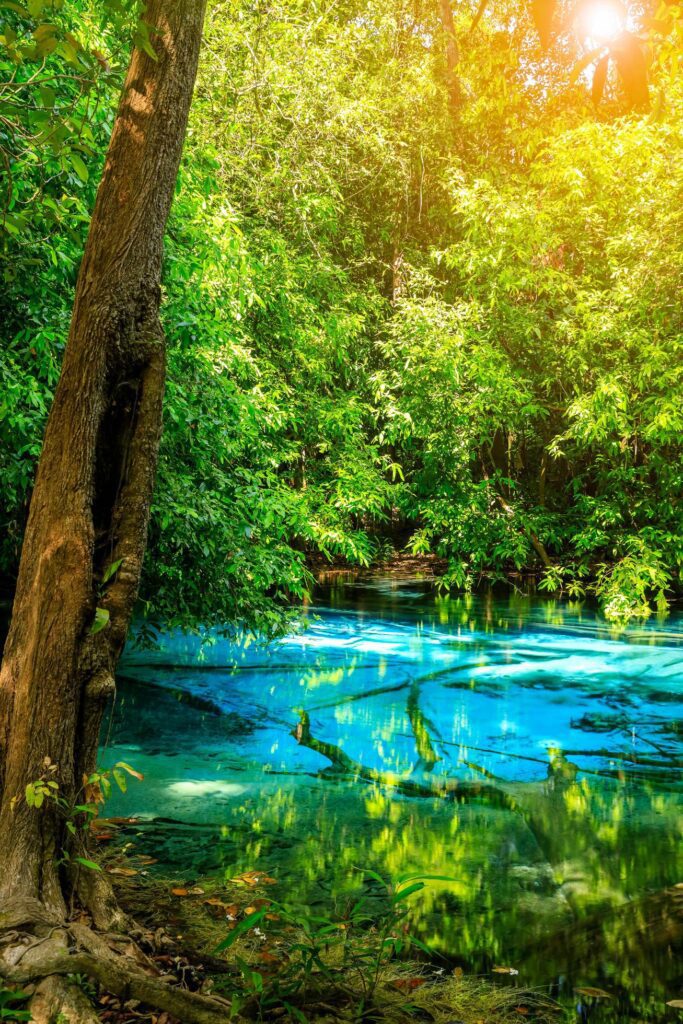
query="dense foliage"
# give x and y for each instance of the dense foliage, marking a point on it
(392, 323)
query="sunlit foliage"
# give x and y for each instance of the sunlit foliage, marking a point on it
(390, 323)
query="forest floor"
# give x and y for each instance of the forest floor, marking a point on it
(264, 976)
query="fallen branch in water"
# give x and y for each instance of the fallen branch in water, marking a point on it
(449, 788)
(619, 755)
(421, 729)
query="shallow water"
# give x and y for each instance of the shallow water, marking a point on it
(565, 736)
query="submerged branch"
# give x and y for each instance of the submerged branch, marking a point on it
(449, 788)
(421, 726)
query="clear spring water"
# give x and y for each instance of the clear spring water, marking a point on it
(564, 839)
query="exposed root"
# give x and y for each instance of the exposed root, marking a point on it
(116, 974)
(95, 893)
(51, 953)
(56, 999)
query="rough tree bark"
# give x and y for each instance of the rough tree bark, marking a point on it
(452, 55)
(89, 511)
(91, 499)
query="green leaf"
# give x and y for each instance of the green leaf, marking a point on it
(111, 570)
(12, 6)
(101, 620)
(142, 40)
(131, 771)
(88, 863)
(240, 929)
(79, 166)
(403, 894)
(120, 780)
(86, 809)
(47, 95)
(296, 1013)
(418, 876)
(45, 32)
(372, 874)
(420, 945)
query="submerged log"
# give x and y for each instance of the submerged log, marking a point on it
(421, 729)
(445, 787)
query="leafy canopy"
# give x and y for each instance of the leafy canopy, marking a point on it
(391, 323)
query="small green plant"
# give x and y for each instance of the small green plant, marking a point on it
(101, 620)
(86, 986)
(79, 812)
(10, 1001)
(346, 958)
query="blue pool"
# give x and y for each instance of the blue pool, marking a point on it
(523, 747)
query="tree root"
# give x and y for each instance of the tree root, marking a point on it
(96, 894)
(126, 982)
(49, 957)
(55, 998)
(23, 910)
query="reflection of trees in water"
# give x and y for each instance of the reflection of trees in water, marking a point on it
(548, 873)
(577, 822)
(507, 904)
(544, 871)
(590, 861)
(487, 611)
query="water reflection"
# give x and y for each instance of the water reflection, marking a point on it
(523, 747)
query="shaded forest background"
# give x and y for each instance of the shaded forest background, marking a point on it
(422, 292)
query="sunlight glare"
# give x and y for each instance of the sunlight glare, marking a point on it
(602, 22)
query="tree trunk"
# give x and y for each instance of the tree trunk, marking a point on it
(91, 499)
(452, 55)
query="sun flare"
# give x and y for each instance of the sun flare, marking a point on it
(602, 22)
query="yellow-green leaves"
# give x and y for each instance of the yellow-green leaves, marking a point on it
(101, 620)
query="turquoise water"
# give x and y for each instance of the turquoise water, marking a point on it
(522, 747)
